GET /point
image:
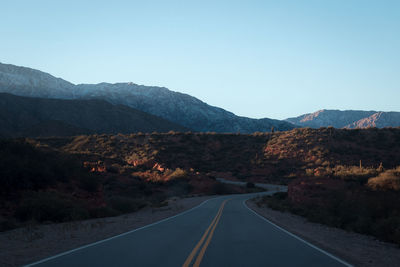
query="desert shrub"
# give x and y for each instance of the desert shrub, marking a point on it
(278, 201)
(24, 167)
(280, 195)
(50, 206)
(179, 187)
(115, 168)
(178, 173)
(218, 189)
(89, 182)
(158, 199)
(250, 185)
(125, 204)
(388, 229)
(388, 180)
(172, 133)
(354, 172)
(309, 172)
(352, 208)
(102, 212)
(7, 224)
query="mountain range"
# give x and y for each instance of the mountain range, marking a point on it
(26, 116)
(129, 107)
(179, 108)
(350, 119)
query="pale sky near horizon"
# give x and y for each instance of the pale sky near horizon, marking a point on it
(275, 59)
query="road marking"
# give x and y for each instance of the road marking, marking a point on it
(120, 235)
(298, 238)
(196, 248)
(204, 248)
(211, 227)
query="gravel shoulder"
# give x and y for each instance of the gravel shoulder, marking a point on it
(356, 249)
(29, 244)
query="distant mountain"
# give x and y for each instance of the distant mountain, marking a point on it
(180, 108)
(26, 116)
(379, 120)
(34, 83)
(347, 119)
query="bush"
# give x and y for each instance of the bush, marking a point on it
(250, 185)
(178, 173)
(125, 204)
(115, 168)
(158, 200)
(218, 189)
(102, 212)
(89, 183)
(6, 225)
(50, 206)
(24, 167)
(179, 187)
(388, 180)
(352, 208)
(280, 195)
(277, 201)
(354, 173)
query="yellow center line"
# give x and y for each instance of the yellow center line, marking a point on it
(212, 227)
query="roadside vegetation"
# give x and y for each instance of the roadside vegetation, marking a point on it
(365, 212)
(344, 178)
(42, 184)
(363, 201)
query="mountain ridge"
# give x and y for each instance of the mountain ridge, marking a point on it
(350, 119)
(177, 107)
(28, 116)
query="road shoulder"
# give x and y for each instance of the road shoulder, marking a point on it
(357, 249)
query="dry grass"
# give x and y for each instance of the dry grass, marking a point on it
(178, 173)
(353, 172)
(388, 180)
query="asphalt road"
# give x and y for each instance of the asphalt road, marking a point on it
(270, 187)
(220, 232)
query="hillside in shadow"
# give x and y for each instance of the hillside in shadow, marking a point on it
(341, 177)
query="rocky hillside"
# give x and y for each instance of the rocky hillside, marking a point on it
(34, 83)
(41, 184)
(26, 116)
(347, 119)
(264, 157)
(176, 107)
(378, 119)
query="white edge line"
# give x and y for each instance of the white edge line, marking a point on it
(120, 235)
(297, 237)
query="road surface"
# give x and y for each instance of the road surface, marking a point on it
(219, 232)
(271, 187)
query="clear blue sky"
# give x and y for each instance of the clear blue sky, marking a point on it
(255, 58)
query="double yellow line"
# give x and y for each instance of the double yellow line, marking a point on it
(209, 232)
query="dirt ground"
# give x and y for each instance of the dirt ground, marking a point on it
(29, 244)
(356, 249)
